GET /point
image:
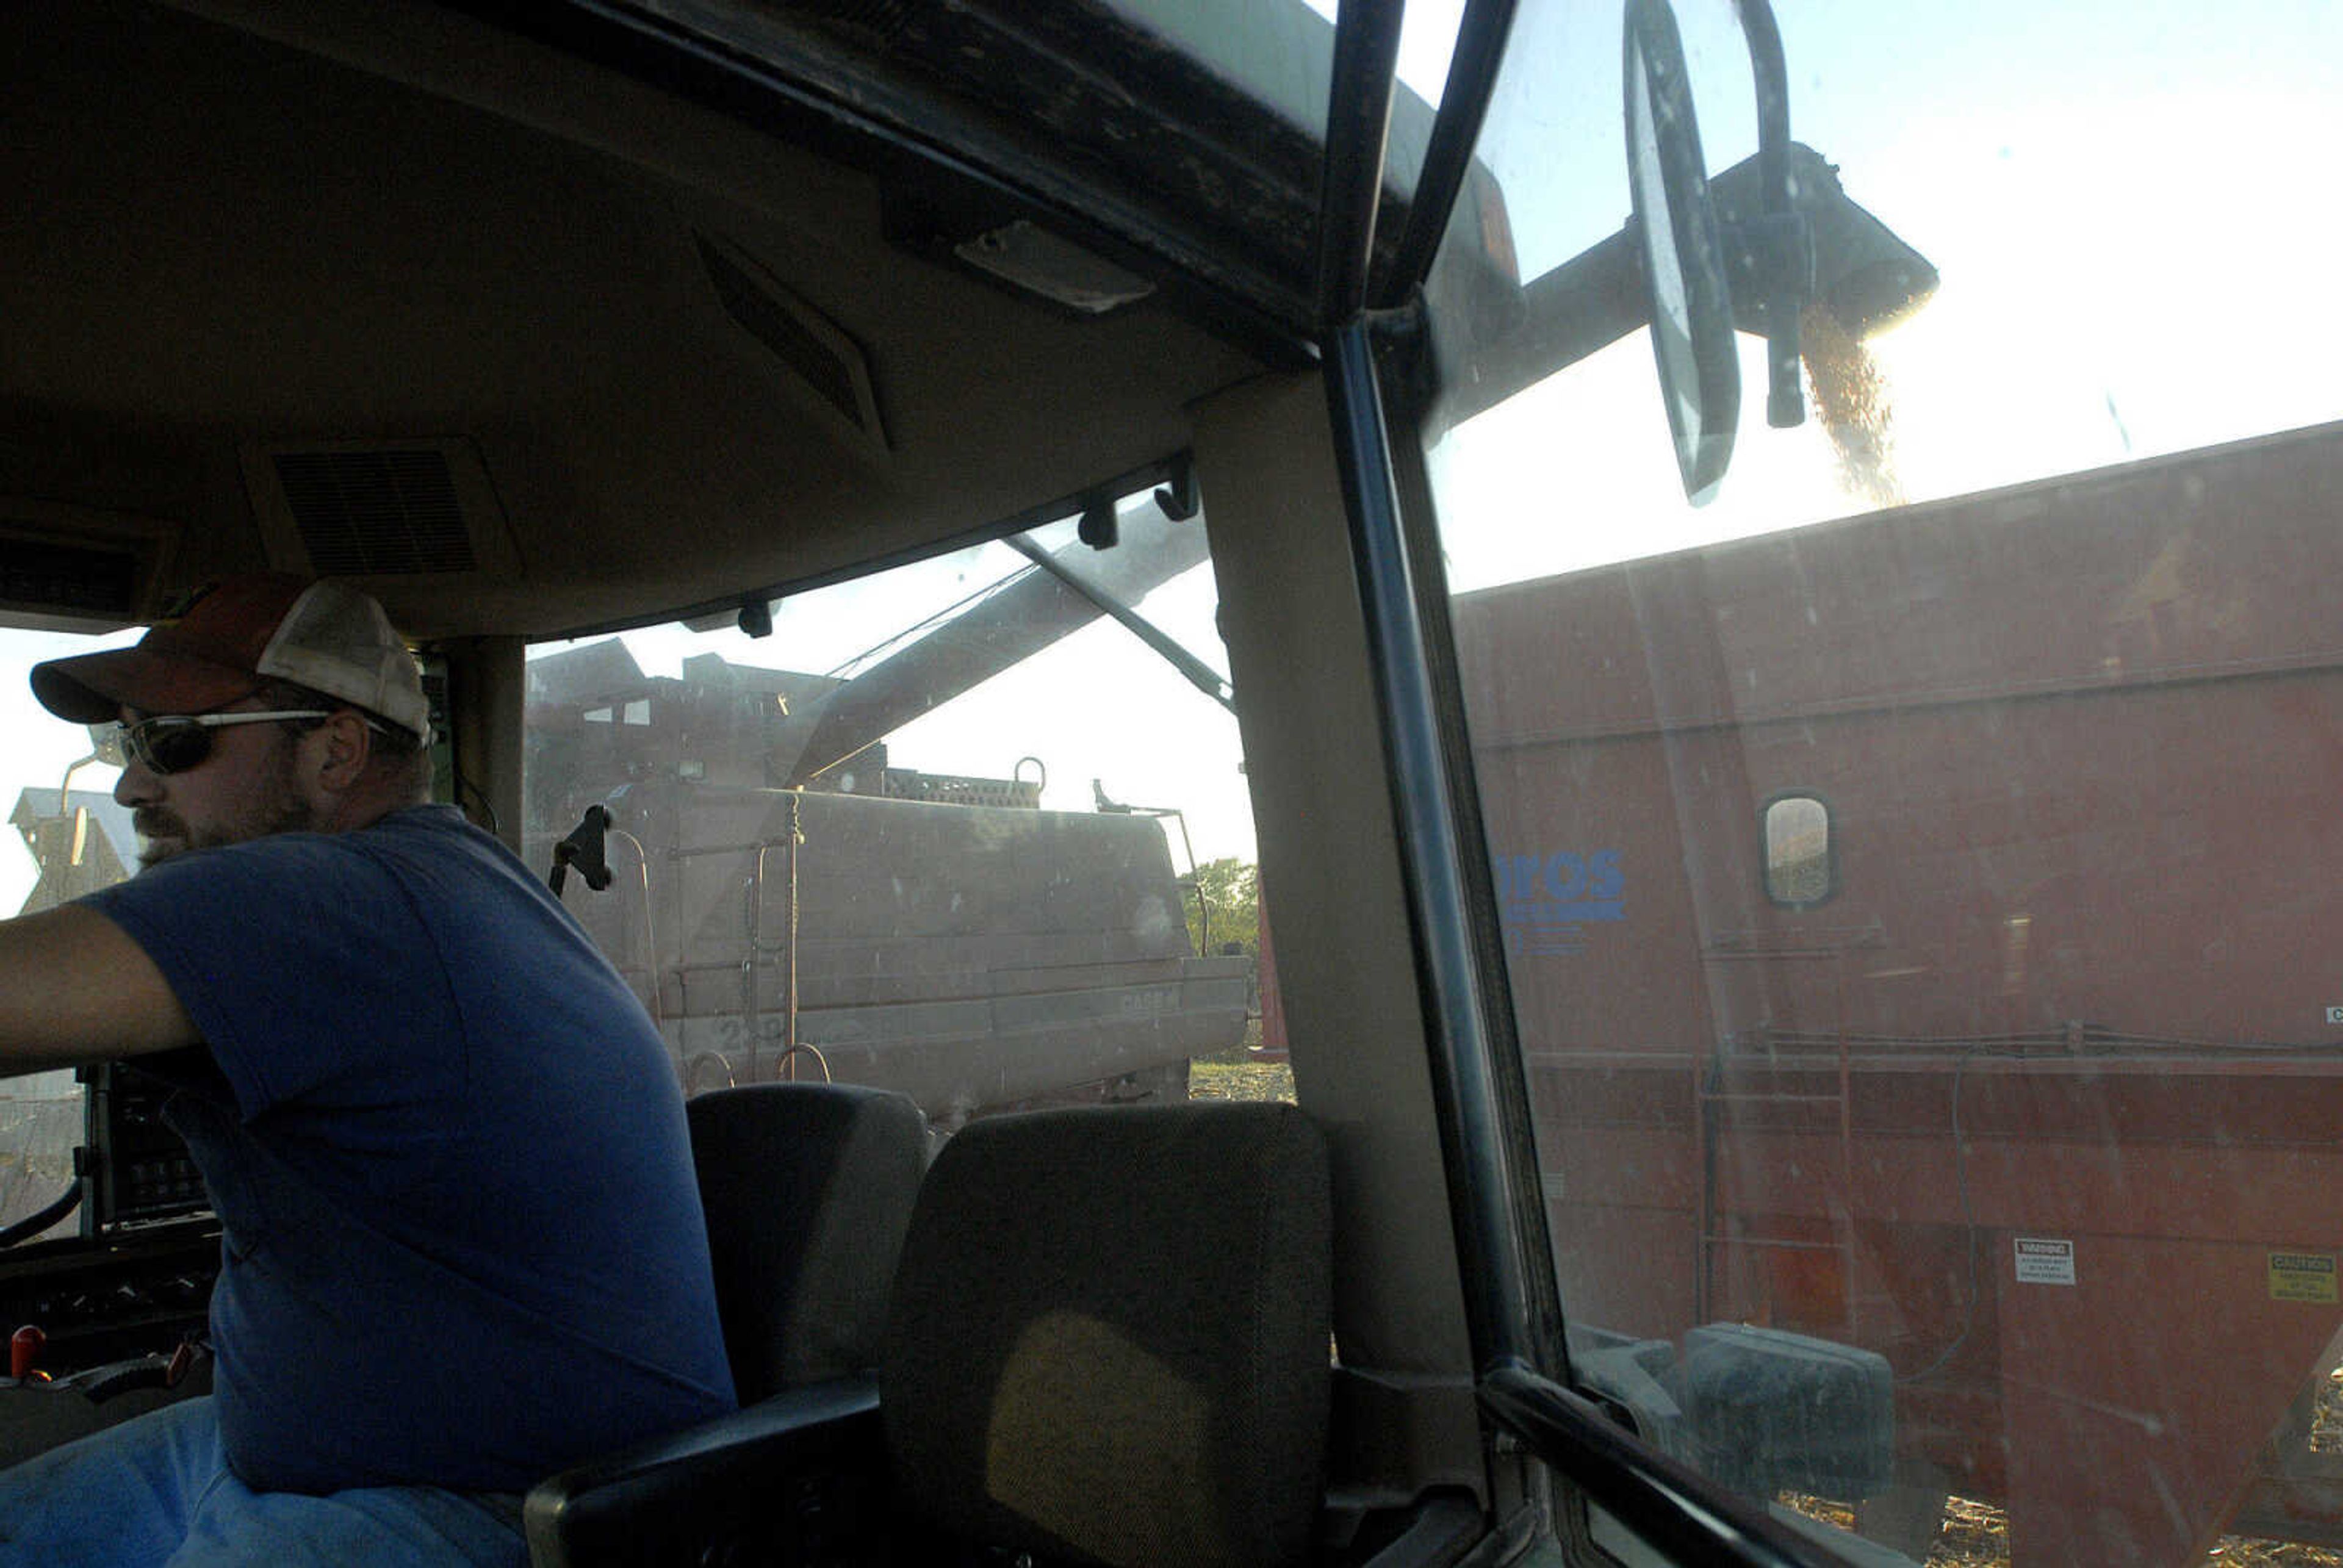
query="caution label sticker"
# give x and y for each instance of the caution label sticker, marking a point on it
(2302, 1277)
(2046, 1261)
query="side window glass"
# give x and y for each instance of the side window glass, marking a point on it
(66, 838)
(948, 829)
(1968, 755)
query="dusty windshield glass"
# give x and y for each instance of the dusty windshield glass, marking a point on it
(952, 830)
(1915, 865)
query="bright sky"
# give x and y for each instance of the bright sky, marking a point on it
(2127, 203)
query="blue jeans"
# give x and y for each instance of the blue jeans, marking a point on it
(156, 1492)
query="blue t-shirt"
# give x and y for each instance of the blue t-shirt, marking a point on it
(463, 1244)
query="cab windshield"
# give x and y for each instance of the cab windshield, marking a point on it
(953, 830)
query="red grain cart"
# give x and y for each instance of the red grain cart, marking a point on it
(1926, 935)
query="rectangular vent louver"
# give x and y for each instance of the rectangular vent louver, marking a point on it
(378, 512)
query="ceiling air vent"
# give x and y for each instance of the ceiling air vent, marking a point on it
(401, 509)
(362, 514)
(826, 366)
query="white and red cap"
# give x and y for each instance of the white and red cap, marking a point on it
(238, 635)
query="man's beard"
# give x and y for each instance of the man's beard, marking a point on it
(280, 809)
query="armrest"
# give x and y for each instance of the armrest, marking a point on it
(789, 1468)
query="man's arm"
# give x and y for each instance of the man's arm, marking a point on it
(74, 988)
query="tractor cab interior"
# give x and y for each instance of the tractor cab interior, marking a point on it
(1025, 569)
(616, 352)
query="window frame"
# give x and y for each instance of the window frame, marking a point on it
(1833, 884)
(1504, 1251)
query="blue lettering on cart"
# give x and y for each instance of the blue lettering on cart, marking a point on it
(1545, 898)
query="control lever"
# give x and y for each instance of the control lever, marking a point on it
(584, 848)
(99, 1385)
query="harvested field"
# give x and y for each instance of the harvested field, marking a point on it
(1236, 1076)
(1976, 1535)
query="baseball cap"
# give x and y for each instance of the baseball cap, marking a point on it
(237, 635)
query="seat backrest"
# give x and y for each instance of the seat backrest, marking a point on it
(807, 1188)
(1110, 1334)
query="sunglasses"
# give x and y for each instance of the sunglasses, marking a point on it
(175, 742)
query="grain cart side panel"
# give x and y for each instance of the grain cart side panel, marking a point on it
(2025, 1076)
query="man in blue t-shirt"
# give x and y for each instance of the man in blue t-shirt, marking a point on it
(462, 1246)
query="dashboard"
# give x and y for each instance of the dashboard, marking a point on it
(137, 1281)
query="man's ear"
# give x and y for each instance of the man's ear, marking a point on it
(341, 747)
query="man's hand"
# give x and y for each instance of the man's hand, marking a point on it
(74, 988)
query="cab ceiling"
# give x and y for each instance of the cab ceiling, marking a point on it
(425, 232)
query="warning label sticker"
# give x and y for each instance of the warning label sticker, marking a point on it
(2302, 1277)
(2044, 1260)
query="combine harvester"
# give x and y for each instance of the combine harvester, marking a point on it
(788, 905)
(1898, 962)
